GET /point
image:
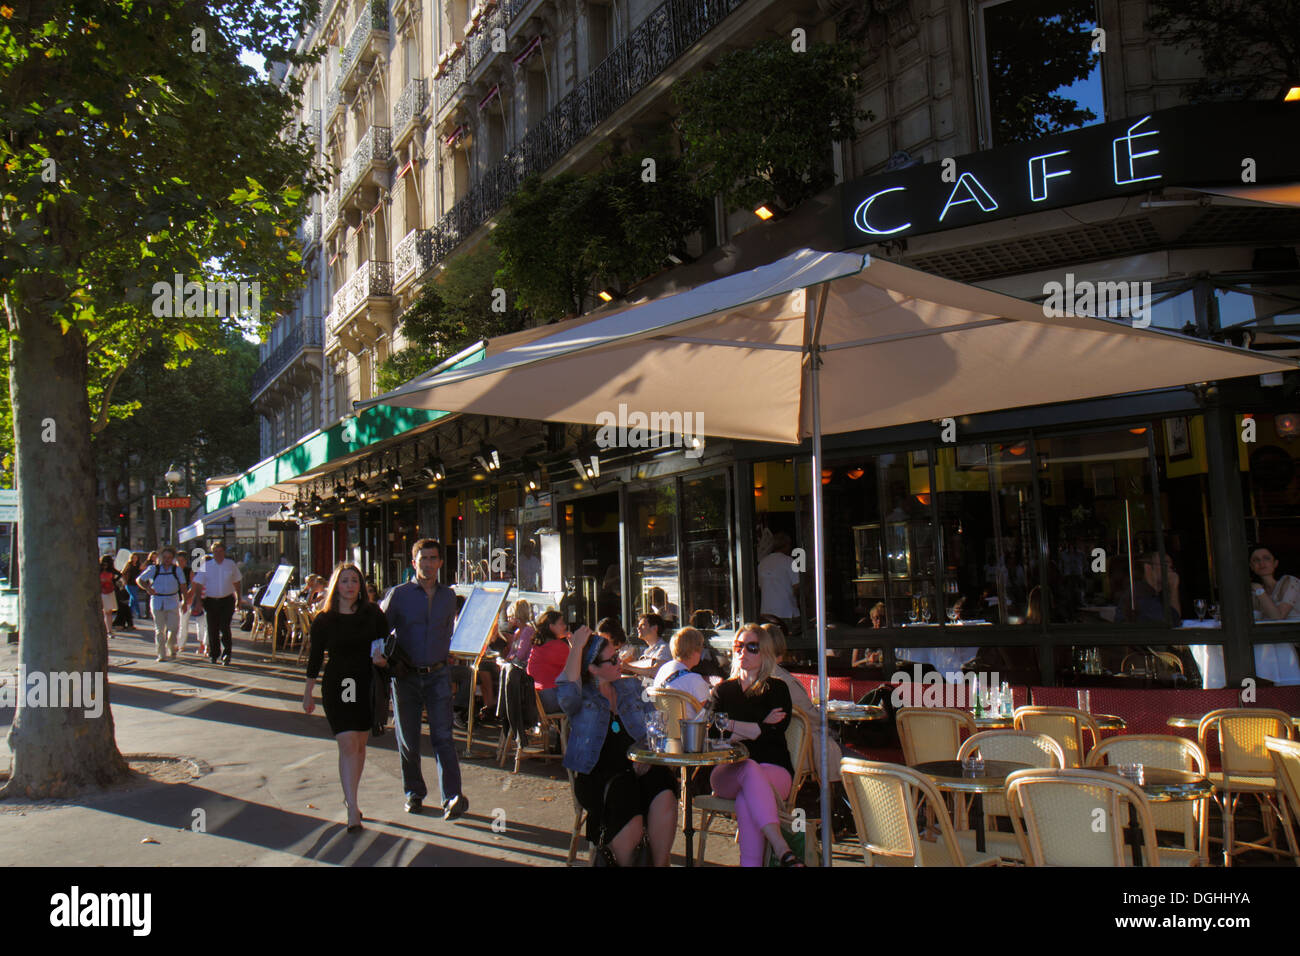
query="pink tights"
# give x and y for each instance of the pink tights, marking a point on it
(755, 788)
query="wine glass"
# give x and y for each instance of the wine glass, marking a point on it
(925, 610)
(1201, 607)
(915, 612)
(952, 614)
(1214, 611)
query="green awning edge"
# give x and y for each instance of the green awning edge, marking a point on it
(373, 425)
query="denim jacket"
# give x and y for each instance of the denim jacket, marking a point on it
(588, 712)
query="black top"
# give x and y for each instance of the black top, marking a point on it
(730, 699)
(613, 754)
(347, 637)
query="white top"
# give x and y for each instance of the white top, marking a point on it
(777, 579)
(168, 585)
(675, 676)
(219, 578)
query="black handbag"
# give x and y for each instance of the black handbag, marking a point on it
(400, 664)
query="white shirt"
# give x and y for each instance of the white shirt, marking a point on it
(676, 676)
(219, 578)
(777, 579)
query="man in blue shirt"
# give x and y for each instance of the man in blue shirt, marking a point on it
(165, 584)
(423, 614)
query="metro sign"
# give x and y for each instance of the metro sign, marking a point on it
(160, 502)
(1203, 145)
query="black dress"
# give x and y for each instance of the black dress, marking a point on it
(346, 637)
(613, 793)
(769, 747)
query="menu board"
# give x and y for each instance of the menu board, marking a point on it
(478, 618)
(275, 590)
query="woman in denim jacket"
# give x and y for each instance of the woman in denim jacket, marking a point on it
(606, 716)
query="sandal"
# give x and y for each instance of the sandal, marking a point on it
(790, 858)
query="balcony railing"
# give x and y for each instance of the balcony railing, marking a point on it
(479, 46)
(410, 104)
(370, 23)
(311, 126)
(668, 32)
(305, 335)
(373, 279)
(447, 84)
(413, 255)
(311, 230)
(375, 147)
(333, 100)
(512, 8)
(331, 213)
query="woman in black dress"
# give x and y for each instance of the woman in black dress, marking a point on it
(345, 628)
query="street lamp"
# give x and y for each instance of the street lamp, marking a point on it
(171, 477)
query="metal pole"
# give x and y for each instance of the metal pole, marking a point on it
(819, 572)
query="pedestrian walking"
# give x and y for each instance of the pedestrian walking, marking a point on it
(346, 628)
(183, 562)
(422, 614)
(219, 580)
(165, 584)
(108, 578)
(131, 574)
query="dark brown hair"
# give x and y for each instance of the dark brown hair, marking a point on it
(421, 545)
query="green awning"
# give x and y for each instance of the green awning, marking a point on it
(347, 437)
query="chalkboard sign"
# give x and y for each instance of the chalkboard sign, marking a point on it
(478, 618)
(275, 590)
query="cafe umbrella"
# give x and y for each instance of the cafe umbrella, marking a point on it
(821, 343)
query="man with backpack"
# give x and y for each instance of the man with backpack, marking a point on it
(165, 584)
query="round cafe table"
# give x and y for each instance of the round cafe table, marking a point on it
(1192, 721)
(1006, 722)
(1161, 786)
(951, 777)
(734, 753)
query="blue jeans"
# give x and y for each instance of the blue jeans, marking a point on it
(415, 695)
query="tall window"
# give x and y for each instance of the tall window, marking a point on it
(1040, 73)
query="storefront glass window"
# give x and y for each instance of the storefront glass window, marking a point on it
(652, 549)
(706, 553)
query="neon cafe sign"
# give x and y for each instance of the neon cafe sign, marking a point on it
(1187, 145)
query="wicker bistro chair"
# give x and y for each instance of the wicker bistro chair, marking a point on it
(932, 733)
(305, 616)
(1065, 725)
(1056, 815)
(798, 738)
(1286, 768)
(1191, 818)
(576, 835)
(886, 800)
(674, 705)
(1247, 770)
(1018, 746)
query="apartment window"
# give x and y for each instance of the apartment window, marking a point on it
(1040, 74)
(537, 93)
(599, 22)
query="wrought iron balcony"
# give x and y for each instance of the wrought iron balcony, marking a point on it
(333, 101)
(413, 256)
(512, 8)
(447, 84)
(331, 214)
(375, 147)
(479, 46)
(668, 32)
(311, 230)
(305, 335)
(410, 105)
(311, 126)
(373, 280)
(372, 25)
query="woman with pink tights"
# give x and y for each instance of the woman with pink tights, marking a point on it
(757, 706)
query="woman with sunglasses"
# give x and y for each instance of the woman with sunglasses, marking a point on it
(757, 706)
(607, 715)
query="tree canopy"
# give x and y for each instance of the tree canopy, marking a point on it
(1249, 48)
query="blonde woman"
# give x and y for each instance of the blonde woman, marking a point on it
(757, 706)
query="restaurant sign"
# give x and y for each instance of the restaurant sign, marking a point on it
(1215, 144)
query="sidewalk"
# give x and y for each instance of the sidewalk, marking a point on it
(268, 785)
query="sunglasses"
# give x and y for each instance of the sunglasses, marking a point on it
(600, 661)
(751, 646)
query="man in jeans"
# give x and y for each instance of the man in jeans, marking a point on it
(220, 582)
(165, 584)
(422, 614)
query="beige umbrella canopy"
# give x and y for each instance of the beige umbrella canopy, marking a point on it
(893, 345)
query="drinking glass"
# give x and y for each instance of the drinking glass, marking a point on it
(925, 610)
(915, 611)
(952, 614)
(1201, 607)
(1084, 698)
(1214, 611)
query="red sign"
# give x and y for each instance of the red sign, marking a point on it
(185, 502)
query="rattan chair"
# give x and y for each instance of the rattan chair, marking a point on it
(579, 814)
(1286, 768)
(1247, 770)
(1019, 746)
(1065, 725)
(798, 738)
(674, 705)
(305, 616)
(1191, 818)
(886, 799)
(931, 733)
(1076, 817)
